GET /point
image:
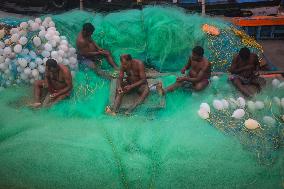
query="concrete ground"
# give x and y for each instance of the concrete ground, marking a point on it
(274, 52)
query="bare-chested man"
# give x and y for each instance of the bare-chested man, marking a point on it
(199, 74)
(132, 78)
(244, 68)
(56, 86)
(90, 52)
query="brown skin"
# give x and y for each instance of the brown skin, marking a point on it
(135, 81)
(89, 49)
(59, 83)
(200, 72)
(246, 69)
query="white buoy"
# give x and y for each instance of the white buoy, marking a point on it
(32, 65)
(41, 69)
(15, 37)
(277, 100)
(23, 40)
(269, 120)
(205, 106)
(27, 71)
(45, 54)
(48, 47)
(241, 102)
(251, 124)
(24, 25)
(7, 51)
(281, 85)
(251, 106)
(225, 104)
(275, 83)
(35, 73)
(36, 41)
(282, 102)
(203, 114)
(259, 105)
(218, 105)
(238, 114)
(18, 48)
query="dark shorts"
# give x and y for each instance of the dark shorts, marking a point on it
(245, 81)
(189, 85)
(89, 63)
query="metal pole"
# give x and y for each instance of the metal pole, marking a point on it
(203, 6)
(81, 4)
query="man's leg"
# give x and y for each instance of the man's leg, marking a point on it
(238, 83)
(144, 92)
(259, 83)
(110, 60)
(38, 86)
(174, 86)
(117, 102)
(200, 85)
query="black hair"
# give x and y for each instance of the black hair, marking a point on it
(244, 53)
(88, 27)
(127, 57)
(51, 63)
(198, 51)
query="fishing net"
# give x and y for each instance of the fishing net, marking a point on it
(75, 145)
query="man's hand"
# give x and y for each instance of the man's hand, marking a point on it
(53, 96)
(181, 79)
(119, 90)
(183, 71)
(127, 88)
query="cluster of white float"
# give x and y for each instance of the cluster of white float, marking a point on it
(24, 52)
(239, 107)
(277, 84)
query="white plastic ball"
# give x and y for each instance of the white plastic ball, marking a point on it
(53, 43)
(54, 54)
(269, 120)
(41, 69)
(37, 41)
(42, 34)
(2, 59)
(18, 48)
(23, 76)
(27, 71)
(1, 52)
(64, 42)
(61, 53)
(23, 40)
(38, 61)
(22, 62)
(238, 114)
(218, 105)
(32, 65)
(7, 51)
(2, 45)
(45, 54)
(275, 83)
(47, 19)
(259, 105)
(64, 48)
(38, 20)
(32, 54)
(72, 60)
(48, 47)
(24, 25)
(14, 31)
(35, 73)
(66, 62)
(51, 24)
(25, 51)
(15, 37)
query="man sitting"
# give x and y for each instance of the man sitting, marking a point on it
(244, 68)
(198, 76)
(89, 52)
(56, 86)
(132, 78)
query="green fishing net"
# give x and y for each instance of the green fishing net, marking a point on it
(75, 145)
(162, 37)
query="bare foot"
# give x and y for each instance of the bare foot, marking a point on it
(35, 105)
(109, 111)
(160, 89)
(127, 113)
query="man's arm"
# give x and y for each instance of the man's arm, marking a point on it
(234, 65)
(142, 76)
(187, 66)
(84, 51)
(198, 78)
(69, 85)
(99, 48)
(120, 78)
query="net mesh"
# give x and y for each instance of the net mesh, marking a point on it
(75, 145)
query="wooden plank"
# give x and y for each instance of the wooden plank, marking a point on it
(259, 21)
(153, 101)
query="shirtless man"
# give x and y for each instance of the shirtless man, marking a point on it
(132, 78)
(199, 74)
(90, 52)
(56, 86)
(244, 68)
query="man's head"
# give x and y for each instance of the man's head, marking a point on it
(197, 53)
(52, 66)
(88, 29)
(125, 60)
(244, 53)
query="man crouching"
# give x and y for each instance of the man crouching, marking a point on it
(132, 78)
(56, 86)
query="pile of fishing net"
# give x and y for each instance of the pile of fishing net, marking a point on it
(75, 145)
